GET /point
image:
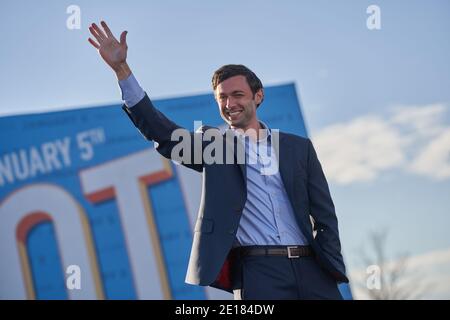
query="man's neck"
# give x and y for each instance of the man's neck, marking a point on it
(254, 131)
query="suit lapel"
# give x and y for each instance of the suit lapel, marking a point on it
(283, 151)
(285, 162)
(232, 143)
(287, 167)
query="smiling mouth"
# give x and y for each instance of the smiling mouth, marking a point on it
(235, 113)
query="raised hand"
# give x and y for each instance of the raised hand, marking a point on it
(113, 52)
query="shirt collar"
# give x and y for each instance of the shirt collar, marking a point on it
(264, 126)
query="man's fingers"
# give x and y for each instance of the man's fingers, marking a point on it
(95, 44)
(99, 31)
(95, 34)
(107, 30)
(123, 38)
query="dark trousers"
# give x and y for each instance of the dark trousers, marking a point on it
(282, 278)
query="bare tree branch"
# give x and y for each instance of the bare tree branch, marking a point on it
(397, 280)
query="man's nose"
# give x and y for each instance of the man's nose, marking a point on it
(230, 103)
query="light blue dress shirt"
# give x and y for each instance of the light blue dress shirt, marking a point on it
(268, 217)
(132, 92)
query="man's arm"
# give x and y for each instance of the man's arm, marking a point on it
(153, 124)
(132, 92)
(322, 207)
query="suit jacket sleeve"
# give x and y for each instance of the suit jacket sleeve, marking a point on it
(155, 126)
(322, 208)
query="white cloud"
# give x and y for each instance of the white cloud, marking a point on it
(356, 151)
(423, 120)
(434, 160)
(412, 138)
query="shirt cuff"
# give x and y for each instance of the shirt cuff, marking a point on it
(132, 92)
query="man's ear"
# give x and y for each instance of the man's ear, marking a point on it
(259, 96)
(215, 96)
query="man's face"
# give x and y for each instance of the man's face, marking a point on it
(237, 104)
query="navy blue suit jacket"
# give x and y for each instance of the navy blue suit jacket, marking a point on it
(224, 195)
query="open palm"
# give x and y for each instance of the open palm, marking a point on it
(112, 51)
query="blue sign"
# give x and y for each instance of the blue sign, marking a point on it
(90, 210)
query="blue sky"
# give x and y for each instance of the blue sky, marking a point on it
(376, 103)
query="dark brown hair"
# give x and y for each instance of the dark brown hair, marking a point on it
(231, 70)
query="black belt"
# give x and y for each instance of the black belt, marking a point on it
(280, 251)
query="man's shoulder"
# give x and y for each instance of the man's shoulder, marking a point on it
(295, 139)
(204, 128)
